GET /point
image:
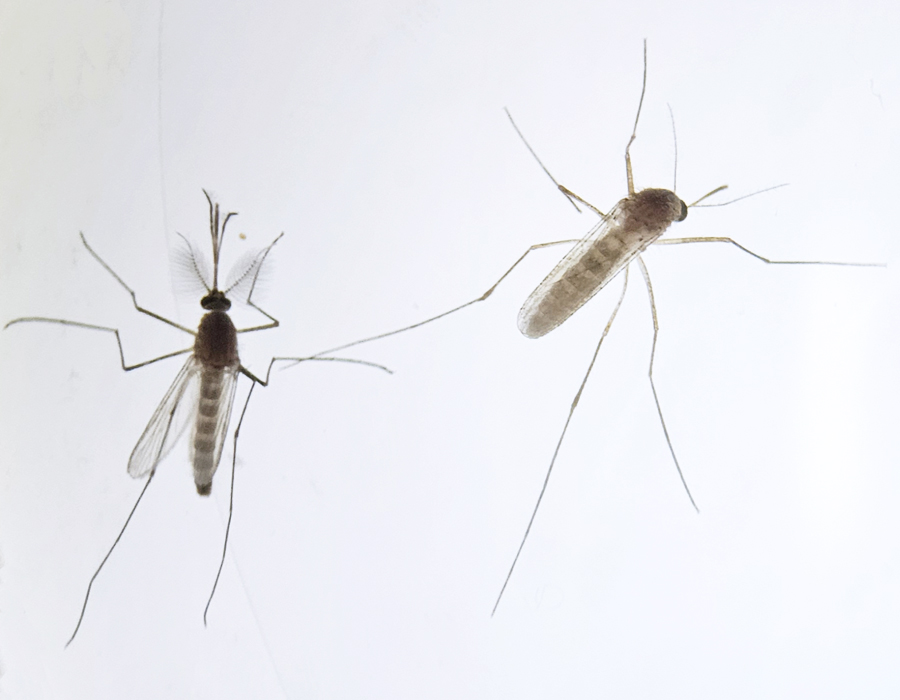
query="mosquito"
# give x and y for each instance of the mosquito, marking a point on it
(202, 395)
(621, 235)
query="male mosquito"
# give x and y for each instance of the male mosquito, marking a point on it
(202, 394)
(621, 235)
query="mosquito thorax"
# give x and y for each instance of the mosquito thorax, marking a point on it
(216, 342)
(652, 210)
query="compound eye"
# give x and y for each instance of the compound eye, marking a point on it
(684, 211)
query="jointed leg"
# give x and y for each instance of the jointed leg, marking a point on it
(725, 239)
(540, 162)
(261, 259)
(131, 291)
(634, 130)
(662, 420)
(569, 193)
(114, 331)
(255, 380)
(442, 315)
(561, 437)
(237, 431)
(87, 594)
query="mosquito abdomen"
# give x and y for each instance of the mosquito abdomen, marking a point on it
(633, 224)
(204, 438)
(216, 349)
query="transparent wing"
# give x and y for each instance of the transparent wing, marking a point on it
(225, 406)
(217, 388)
(176, 410)
(583, 272)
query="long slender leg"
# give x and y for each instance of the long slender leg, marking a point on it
(131, 291)
(274, 321)
(634, 130)
(313, 358)
(87, 594)
(484, 296)
(646, 273)
(720, 188)
(768, 261)
(571, 196)
(256, 380)
(675, 145)
(115, 542)
(114, 331)
(561, 437)
(569, 193)
(562, 189)
(237, 431)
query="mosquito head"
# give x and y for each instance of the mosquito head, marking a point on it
(653, 208)
(215, 301)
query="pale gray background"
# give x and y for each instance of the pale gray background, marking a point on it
(376, 516)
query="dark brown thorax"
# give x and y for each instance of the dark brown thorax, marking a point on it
(216, 342)
(654, 209)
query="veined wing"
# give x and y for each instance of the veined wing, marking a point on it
(217, 387)
(583, 272)
(171, 417)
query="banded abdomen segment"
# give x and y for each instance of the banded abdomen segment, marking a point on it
(211, 425)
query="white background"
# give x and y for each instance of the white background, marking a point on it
(376, 515)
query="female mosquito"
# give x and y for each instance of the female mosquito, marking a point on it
(621, 235)
(202, 394)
